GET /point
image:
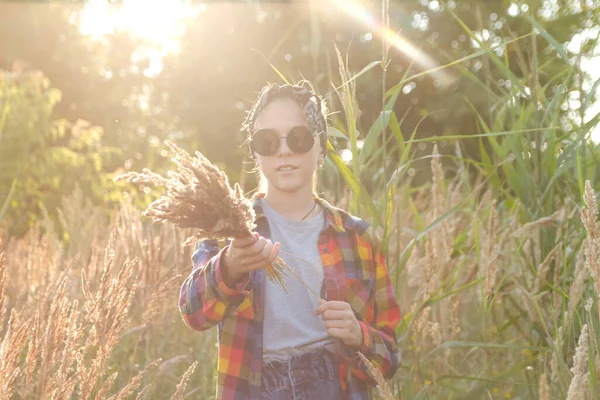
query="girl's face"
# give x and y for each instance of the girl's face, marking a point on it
(286, 171)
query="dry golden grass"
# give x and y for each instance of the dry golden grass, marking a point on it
(198, 195)
(91, 319)
(65, 336)
(544, 391)
(384, 389)
(578, 386)
(178, 395)
(501, 285)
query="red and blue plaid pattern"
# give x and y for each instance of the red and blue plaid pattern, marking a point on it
(354, 271)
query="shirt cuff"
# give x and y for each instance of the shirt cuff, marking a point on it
(239, 288)
(350, 353)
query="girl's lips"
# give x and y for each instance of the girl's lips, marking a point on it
(286, 167)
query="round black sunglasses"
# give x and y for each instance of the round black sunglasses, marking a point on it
(266, 141)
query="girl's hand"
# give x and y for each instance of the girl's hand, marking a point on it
(245, 255)
(341, 322)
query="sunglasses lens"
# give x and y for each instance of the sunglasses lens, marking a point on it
(300, 140)
(265, 142)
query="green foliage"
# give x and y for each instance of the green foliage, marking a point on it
(533, 155)
(41, 159)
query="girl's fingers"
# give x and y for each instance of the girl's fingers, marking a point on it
(274, 252)
(266, 251)
(338, 323)
(245, 241)
(335, 315)
(336, 305)
(262, 255)
(254, 252)
(269, 259)
(341, 333)
(259, 245)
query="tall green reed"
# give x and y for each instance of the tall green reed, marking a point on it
(502, 237)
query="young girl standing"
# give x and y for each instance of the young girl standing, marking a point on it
(273, 344)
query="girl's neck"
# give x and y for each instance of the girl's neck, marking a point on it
(293, 206)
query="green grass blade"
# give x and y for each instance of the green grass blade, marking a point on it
(493, 57)
(355, 186)
(557, 46)
(479, 135)
(283, 78)
(373, 136)
(363, 71)
(9, 197)
(397, 87)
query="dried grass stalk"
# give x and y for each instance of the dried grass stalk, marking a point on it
(578, 286)
(105, 312)
(544, 391)
(198, 195)
(178, 395)
(548, 221)
(107, 385)
(32, 351)
(159, 297)
(492, 251)
(578, 386)
(142, 394)
(135, 382)
(543, 268)
(591, 244)
(382, 386)
(10, 351)
(556, 355)
(2, 286)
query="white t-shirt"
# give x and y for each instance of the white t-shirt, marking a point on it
(290, 325)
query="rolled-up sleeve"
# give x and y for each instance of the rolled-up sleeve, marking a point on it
(205, 299)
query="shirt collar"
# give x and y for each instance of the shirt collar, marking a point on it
(333, 217)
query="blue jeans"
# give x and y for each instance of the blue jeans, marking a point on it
(308, 376)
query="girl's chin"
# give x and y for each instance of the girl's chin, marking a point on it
(289, 187)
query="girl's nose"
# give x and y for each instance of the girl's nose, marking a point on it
(283, 147)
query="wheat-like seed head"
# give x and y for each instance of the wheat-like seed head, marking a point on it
(543, 268)
(10, 351)
(578, 286)
(145, 390)
(198, 195)
(578, 386)
(375, 374)
(178, 395)
(136, 381)
(107, 386)
(591, 243)
(159, 297)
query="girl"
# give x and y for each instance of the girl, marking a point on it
(273, 344)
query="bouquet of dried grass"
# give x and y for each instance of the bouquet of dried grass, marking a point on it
(198, 195)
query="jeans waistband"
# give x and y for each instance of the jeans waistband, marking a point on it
(298, 369)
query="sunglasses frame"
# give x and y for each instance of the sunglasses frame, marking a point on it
(313, 135)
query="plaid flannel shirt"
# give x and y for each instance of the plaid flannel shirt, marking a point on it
(354, 271)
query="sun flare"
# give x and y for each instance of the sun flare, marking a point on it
(160, 23)
(395, 39)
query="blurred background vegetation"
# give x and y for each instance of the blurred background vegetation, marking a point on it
(463, 130)
(92, 88)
